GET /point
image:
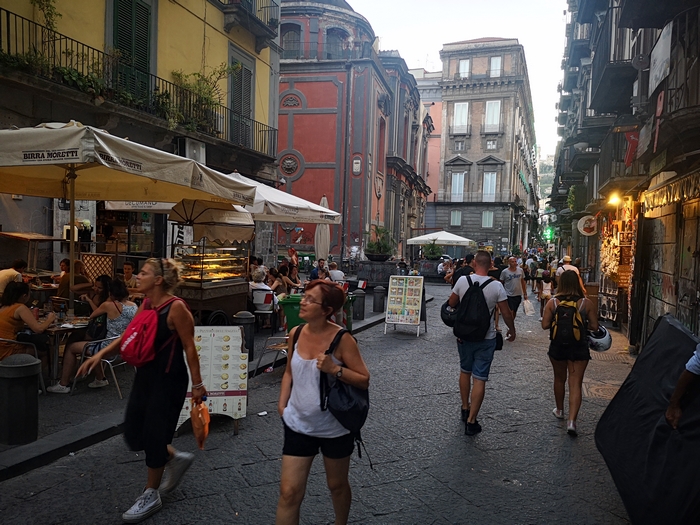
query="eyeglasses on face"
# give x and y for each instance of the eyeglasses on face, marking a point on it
(309, 301)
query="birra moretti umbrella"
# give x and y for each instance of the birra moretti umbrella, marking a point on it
(72, 161)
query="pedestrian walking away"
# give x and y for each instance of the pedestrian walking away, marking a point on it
(568, 316)
(308, 428)
(513, 279)
(160, 387)
(475, 357)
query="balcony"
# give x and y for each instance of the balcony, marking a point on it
(327, 51)
(32, 49)
(588, 8)
(651, 13)
(570, 78)
(612, 72)
(492, 128)
(585, 159)
(476, 197)
(580, 46)
(259, 17)
(464, 131)
(613, 174)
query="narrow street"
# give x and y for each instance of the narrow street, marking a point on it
(522, 469)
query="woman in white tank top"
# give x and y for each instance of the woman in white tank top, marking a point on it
(306, 427)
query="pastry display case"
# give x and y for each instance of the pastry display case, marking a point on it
(209, 265)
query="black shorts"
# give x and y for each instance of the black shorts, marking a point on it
(514, 302)
(574, 352)
(301, 445)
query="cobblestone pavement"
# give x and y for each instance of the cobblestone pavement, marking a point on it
(522, 469)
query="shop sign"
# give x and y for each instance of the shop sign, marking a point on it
(588, 225)
(660, 58)
(153, 207)
(658, 163)
(644, 138)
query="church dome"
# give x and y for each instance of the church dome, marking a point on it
(335, 3)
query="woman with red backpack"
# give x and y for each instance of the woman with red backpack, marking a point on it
(160, 386)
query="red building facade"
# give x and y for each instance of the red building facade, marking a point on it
(350, 127)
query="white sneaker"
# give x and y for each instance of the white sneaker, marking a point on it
(559, 414)
(571, 428)
(540, 319)
(148, 504)
(174, 470)
(98, 383)
(58, 388)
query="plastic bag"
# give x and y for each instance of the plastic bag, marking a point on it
(199, 415)
(529, 309)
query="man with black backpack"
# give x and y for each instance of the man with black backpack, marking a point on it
(476, 296)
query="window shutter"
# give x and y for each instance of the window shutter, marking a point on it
(132, 25)
(123, 28)
(142, 25)
(242, 91)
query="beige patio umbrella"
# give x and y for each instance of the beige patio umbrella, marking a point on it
(72, 161)
(322, 237)
(217, 221)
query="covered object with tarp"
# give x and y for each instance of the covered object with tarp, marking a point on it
(656, 469)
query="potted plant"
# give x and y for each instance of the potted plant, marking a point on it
(432, 251)
(381, 247)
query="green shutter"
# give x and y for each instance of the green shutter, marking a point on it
(123, 32)
(132, 26)
(142, 40)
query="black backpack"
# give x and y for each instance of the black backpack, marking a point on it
(568, 326)
(473, 318)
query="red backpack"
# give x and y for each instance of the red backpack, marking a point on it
(138, 343)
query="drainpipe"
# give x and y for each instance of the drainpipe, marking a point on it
(346, 161)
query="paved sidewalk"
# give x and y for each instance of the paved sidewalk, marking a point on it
(523, 467)
(70, 423)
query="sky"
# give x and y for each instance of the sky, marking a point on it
(419, 28)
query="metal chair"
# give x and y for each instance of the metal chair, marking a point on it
(264, 302)
(277, 344)
(112, 362)
(218, 318)
(36, 354)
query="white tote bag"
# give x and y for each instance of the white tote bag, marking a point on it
(529, 309)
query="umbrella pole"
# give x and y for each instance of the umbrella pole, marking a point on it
(71, 181)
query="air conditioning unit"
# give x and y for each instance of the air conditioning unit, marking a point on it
(192, 149)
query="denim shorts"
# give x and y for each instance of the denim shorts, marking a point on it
(475, 357)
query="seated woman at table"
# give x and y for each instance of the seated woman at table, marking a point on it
(101, 291)
(120, 311)
(81, 284)
(293, 280)
(324, 274)
(15, 316)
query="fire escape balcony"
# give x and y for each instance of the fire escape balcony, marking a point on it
(39, 58)
(259, 17)
(613, 75)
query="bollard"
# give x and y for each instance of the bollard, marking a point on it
(19, 399)
(247, 321)
(358, 311)
(378, 303)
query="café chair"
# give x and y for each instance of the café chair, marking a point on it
(277, 344)
(36, 354)
(112, 362)
(264, 303)
(218, 318)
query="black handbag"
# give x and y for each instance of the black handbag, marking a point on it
(97, 328)
(348, 404)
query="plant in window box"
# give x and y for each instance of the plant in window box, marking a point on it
(432, 251)
(382, 244)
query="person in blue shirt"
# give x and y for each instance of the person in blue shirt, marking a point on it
(314, 273)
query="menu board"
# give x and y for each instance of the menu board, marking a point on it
(404, 300)
(223, 362)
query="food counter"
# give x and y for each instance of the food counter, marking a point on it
(214, 278)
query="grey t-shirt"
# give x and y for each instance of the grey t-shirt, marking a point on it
(493, 293)
(513, 281)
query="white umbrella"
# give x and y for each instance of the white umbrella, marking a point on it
(73, 161)
(273, 205)
(217, 221)
(322, 237)
(441, 238)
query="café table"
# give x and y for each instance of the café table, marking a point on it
(56, 332)
(42, 293)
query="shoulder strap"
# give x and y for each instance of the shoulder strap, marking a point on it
(296, 335)
(336, 341)
(469, 280)
(486, 283)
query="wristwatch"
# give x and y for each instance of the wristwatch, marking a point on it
(339, 373)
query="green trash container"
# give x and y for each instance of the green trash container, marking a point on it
(347, 312)
(291, 305)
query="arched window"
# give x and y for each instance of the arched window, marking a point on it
(291, 41)
(336, 40)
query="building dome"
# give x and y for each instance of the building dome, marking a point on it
(335, 3)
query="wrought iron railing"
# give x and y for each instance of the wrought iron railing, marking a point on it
(684, 77)
(326, 50)
(614, 46)
(267, 11)
(612, 158)
(465, 130)
(32, 48)
(476, 196)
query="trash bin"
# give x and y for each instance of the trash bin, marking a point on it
(346, 321)
(19, 399)
(291, 306)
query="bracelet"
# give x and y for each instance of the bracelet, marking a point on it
(198, 385)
